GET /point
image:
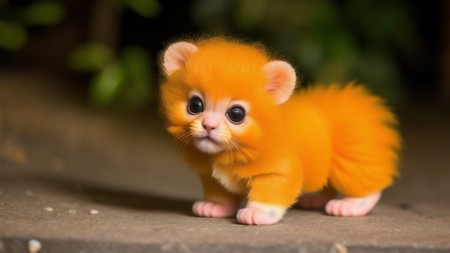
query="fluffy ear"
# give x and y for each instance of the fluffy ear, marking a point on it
(176, 56)
(280, 80)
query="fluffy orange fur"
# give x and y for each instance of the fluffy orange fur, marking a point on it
(325, 136)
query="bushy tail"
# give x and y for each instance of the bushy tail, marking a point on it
(365, 139)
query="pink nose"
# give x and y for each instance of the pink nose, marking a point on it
(208, 126)
(210, 121)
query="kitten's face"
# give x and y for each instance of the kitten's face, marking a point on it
(223, 96)
(214, 126)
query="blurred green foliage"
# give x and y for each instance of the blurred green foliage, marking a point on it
(43, 13)
(13, 35)
(328, 41)
(106, 85)
(122, 81)
(145, 8)
(90, 57)
(13, 20)
(118, 80)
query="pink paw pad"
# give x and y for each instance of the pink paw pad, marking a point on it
(254, 216)
(213, 209)
(352, 206)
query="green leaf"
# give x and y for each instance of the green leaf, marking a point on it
(13, 35)
(137, 62)
(43, 13)
(90, 57)
(139, 74)
(145, 8)
(107, 84)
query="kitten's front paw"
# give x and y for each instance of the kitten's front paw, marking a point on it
(260, 214)
(213, 209)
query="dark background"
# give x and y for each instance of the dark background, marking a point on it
(400, 49)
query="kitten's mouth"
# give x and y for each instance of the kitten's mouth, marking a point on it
(207, 138)
(208, 145)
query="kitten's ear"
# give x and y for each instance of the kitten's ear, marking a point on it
(176, 56)
(280, 80)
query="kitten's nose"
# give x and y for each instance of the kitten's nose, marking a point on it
(208, 127)
(210, 121)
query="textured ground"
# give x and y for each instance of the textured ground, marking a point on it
(83, 180)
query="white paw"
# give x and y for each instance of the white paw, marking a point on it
(260, 214)
(352, 206)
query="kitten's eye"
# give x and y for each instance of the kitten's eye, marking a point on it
(195, 105)
(236, 114)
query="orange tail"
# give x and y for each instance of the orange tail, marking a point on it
(365, 141)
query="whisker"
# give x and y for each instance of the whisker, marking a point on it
(184, 140)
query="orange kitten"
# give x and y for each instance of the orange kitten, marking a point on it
(232, 109)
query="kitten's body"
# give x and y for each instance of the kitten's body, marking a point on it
(324, 137)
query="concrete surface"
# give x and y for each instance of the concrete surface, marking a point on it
(61, 161)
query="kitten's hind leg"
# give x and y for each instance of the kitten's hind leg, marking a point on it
(352, 206)
(205, 208)
(313, 201)
(316, 200)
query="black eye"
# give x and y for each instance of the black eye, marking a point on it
(236, 114)
(195, 105)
